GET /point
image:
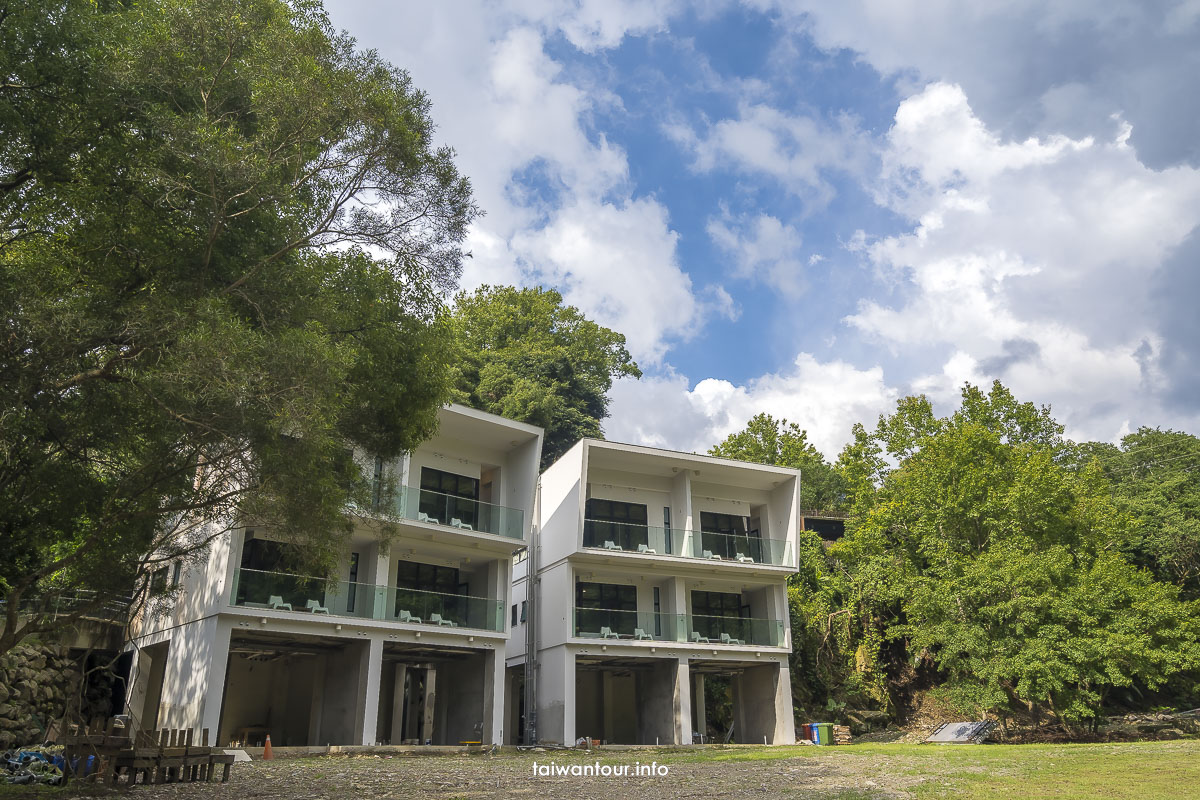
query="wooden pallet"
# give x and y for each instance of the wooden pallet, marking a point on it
(164, 756)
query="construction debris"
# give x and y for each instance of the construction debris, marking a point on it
(110, 753)
(26, 767)
(962, 732)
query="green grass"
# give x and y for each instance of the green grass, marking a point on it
(1143, 770)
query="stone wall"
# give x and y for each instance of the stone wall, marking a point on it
(39, 685)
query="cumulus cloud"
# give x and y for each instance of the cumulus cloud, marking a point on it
(824, 397)
(560, 208)
(761, 247)
(797, 150)
(1031, 67)
(1030, 261)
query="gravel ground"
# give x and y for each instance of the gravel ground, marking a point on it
(689, 775)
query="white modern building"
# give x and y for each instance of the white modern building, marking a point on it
(650, 572)
(407, 646)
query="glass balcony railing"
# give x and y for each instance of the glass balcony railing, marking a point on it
(740, 548)
(607, 623)
(651, 626)
(280, 591)
(734, 630)
(462, 513)
(608, 535)
(649, 540)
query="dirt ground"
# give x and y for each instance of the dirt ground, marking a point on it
(866, 771)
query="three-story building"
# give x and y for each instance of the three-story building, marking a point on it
(651, 571)
(406, 646)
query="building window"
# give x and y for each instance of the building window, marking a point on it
(524, 607)
(446, 496)
(623, 524)
(605, 605)
(730, 536)
(352, 588)
(175, 573)
(714, 613)
(514, 615)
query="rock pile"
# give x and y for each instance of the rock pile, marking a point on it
(36, 684)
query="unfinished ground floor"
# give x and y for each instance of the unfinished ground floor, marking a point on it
(318, 685)
(635, 696)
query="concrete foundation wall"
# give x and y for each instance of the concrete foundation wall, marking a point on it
(762, 706)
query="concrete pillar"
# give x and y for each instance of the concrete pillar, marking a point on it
(683, 703)
(378, 574)
(366, 712)
(556, 696)
(660, 702)
(397, 732)
(698, 708)
(318, 701)
(762, 702)
(430, 704)
(494, 692)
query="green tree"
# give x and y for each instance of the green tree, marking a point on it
(766, 440)
(225, 231)
(1156, 479)
(523, 354)
(986, 562)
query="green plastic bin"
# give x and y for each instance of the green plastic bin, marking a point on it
(824, 731)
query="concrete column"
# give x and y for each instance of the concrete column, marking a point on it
(378, 575)
(366, 715)
(762, 701)
(556, 696)
(430, 704)
(318, 701)
(398, 695)
(683, 703)
(495, 688)
(698, 706)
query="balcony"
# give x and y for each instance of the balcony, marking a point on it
(734, 630)
(607, 535)
(476, 516)
(705, 545)
(651, 626)
(740, 548)
(642, 626)
(278, 591)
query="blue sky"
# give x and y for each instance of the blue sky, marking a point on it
(813, 209)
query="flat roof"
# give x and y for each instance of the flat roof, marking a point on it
(706, 469)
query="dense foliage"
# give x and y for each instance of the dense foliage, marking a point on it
(989, 561)
(523, 354)
(223, 236)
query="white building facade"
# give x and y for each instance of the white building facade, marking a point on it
(651, 572)
(407, 646)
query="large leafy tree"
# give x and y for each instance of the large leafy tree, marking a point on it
(984, 559)
(524, 354)
(224, 232)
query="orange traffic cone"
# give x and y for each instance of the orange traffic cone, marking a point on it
(267, 754)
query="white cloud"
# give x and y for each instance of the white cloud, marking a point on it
(762, 248)
(558, 201)
(825, 398)
(795, 150)
(619, 263)
(1030, 261)
(1031, 66)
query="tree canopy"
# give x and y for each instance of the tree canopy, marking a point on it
(524, 354)
(223, 234)
(987, 560)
